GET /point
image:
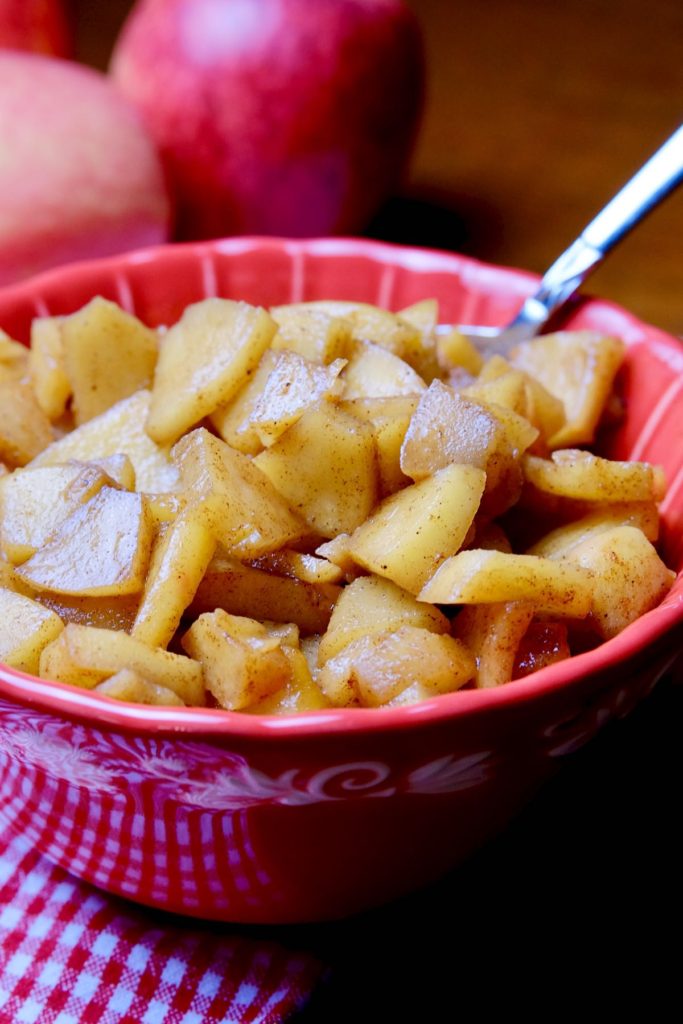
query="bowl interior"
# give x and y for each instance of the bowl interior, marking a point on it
(157, 284)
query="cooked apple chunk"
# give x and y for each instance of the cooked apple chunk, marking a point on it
(447, 428)
(372, 604)
(325, 466)
(46, 365)
(579, 368)
(414, 530)
(178, 563)
(629, 577)
(26, 628)
(246, 513)
(493, 633)
(311, 333)
(131, 686)
(293, 385)
(571, 473)
(374, 372)
(25, 430)
(242, 661)
(204, 360)
(300, 692)
(34, 502)
(251, 592)
(490, 577)
(373, 670)
(85, 656)
(118, 431)
(108, 355)
(102, 548)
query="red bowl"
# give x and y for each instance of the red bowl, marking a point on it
(315, 816)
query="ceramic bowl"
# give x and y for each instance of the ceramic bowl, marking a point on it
(255, 819)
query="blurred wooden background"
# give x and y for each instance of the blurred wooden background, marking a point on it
(537, 113)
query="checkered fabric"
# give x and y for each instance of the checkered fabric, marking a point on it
(70, 954)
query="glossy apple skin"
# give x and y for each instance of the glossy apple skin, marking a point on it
(290, 117)
(40, 26)
(79, 176)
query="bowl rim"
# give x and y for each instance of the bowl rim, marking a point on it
(97, 709)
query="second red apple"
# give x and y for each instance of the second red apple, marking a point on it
(291, 117)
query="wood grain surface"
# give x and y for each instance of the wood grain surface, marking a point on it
(537, 113)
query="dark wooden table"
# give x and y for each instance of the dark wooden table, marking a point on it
(537, 113)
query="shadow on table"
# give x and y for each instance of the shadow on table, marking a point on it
(440, 220)
(576, 907)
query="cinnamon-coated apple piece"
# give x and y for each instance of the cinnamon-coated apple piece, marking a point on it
(102, 549)
(204, 360)
(26, 628)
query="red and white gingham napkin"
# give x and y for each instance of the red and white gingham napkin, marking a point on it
(70, 954)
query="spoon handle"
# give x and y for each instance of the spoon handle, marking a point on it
(648, 186)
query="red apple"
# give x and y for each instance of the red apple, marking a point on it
(37, 25)
(79, 176)
(291, 117)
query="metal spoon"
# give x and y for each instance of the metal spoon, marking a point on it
(655, 179)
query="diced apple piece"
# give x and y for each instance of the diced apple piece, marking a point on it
(47, 368)
(311, 333)
(507, 390)
(134, 688)
(204, 360)
(490, 577)
(293, 386)
(579, 368)
(119, 430)
(300, 693)
(493, 632)
(108, 355)
(390, 418)
(455, 351)
(35, 502)
(448, 428)
(325, 467)
(413, 531)
(373, 670)
(242, 663)
(370, 605)
(233, 421)
(26, 628)
(165, 508)
(543, 409)
(580, 475)
(25, 430)
(629, 578)
(85, 656)
(374, 372)
(371, 324)
(424, 315)
(103, 548)
(13, 357)
(243, 590)
(246, 513)
(559, 542)
(179, 560)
